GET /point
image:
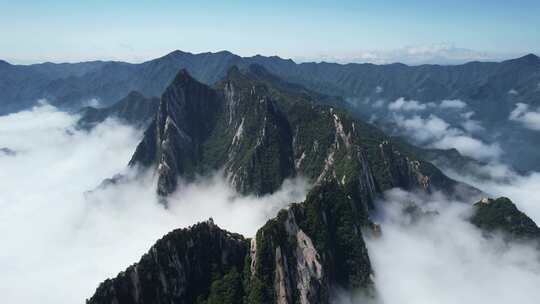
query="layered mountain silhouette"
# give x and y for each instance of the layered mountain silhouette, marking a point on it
(134, 109)
(490, 89)
(478, 82)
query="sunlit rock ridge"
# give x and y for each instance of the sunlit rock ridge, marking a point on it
(298, 257)
(261, 131)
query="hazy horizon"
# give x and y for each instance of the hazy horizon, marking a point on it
(348, 31)
(385, 58)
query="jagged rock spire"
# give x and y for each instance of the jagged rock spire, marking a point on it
(260, 130)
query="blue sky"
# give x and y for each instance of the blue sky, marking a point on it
(61, 30)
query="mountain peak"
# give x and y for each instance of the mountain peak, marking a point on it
(529, 58)
(177, 53)
(234, 74)
(502, 215)
(135, 94)
(224, 52)
(258, 69)
(234, 70)
(4, 63)
(183, 77)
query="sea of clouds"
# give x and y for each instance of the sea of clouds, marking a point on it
(442, 258)
(424, 125)
(445, 259)
(62, 234)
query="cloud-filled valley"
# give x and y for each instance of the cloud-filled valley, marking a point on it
(452, 124)
(54, 229)
(432, 131)
(445, 257)
(441, 257)
(444, 125)
(63, 235)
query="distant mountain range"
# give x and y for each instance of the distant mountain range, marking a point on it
(491, 90)
(134, 109)
(70, 84)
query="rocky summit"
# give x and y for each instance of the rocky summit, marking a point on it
(502, 216)
(261, 131)
(300, 256)
(134, 109)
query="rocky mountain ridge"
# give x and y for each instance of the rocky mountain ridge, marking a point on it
(300, 256)
(134, 109)
(473, 80)
(261, 134)
(304, 255)
(502, 216)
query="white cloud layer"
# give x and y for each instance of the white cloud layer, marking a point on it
(406, 105)
(527, 117)
(452, 104)
(59, 241)
(444, 259)
(497, 179)
(435, 53)
(435, 132)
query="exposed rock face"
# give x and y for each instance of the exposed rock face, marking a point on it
(185, 266)
(134, 109)
(261, 130)
(314, 247)
(258, 134)
(173, 142)
(297, 257)
(492, 215)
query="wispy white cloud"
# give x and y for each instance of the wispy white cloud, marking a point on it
(452, 104)
(436, 53)
(513, 92)
(406, 105)
(379, 103)
(422, 260)
(498, 179)
(530, 118)
(436, 132)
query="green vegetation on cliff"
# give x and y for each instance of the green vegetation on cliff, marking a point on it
(501, 215)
